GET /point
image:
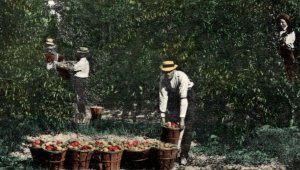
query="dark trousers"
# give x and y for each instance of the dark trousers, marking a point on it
(174, 106)
(80, 85)
(289, 63)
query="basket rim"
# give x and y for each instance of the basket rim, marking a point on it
(95, 106)
(78, 150)
(128, 150)
(110, 151)
(56, 152)
(32, 147)
(171, 128)
(165, 148)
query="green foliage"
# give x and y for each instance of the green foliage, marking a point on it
(126, 128)
(282, 143)
(226, 47)
(27, 89)
(267, 142)
(213, 147)
(246, 157)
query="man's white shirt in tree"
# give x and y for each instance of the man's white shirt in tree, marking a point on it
(82, 68)
(180, 84)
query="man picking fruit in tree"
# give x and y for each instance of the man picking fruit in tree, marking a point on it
(52, 57)
(50, 54)
(178, 98)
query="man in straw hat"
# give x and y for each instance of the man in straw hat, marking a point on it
(176, 95)
(287, 38)
(50, 54)
(81, 70)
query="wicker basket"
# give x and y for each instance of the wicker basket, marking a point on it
(64, 73)
(78, 159)
(96, 112)
(54, 160)
(170, 135)
(164, 158)
(136, 159)
(107, 160)
(38, 156)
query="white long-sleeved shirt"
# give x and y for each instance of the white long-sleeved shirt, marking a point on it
(82, 68)
(180, 84)
(289, 39)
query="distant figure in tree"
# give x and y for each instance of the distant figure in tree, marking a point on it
(52, 57)
(176, 95)
(50, 53)
(286, 45)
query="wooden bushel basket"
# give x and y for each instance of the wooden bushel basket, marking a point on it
(165, 158)
(38, 156)
(55, 160)
(107, 160)
(136, 159)
(64, 73)
(170, 135)
(96, 112)
(50, 57)
(78, 159)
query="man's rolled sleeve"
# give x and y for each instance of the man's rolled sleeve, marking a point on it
(183, 90)
(183, 107)
(163, 99)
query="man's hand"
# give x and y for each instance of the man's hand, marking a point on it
(62, 65)
(163, 120)
(181, 123)
(57, 64)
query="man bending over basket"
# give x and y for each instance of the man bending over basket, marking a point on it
(176, 95)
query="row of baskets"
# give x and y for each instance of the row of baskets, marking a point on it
(104, 155)
(150, 158)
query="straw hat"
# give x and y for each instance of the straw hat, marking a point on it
(83, 50)
(50, 41)
(168, 65)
